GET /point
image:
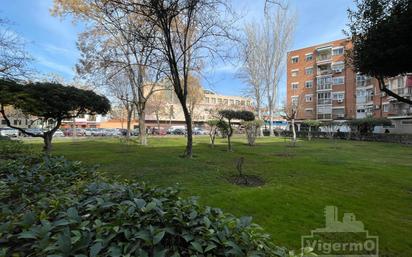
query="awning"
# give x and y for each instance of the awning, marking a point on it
(409, 81)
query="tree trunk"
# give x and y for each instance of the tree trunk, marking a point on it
(142, 128)
(259, 114)
(158, 122)
(47, 139)
(188, 120)
(309, 133)
(229, 143)
(212, 135)
(293, 132)
(271, 120)
(129, 121)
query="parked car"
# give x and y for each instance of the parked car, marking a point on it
(135, 132)
(79, 132)
(160, 132)
(178, 131)
(35, 131)
(9, 132)
(112, 132)
(58, 133)
(199, 131)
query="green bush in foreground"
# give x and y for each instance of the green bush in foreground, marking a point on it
(54, 207)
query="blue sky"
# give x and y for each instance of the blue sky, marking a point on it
(52, 41)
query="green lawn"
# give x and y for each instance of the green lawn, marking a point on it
(372, 180)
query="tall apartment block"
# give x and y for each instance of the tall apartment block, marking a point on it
(325, 88)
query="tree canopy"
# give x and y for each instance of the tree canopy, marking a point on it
(382, 44)
(49, 102)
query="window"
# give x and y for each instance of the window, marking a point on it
(295, 73)
(337, 50)
(308, 98)
(213, 100)
(207, 100)
(309, 110)
(295, 59)
(324, 83)
(338, 67)
(385, 107)
(237, 102)
(232, 102)
(338, 96)
(309, 84)
(225, 102)
(338, 80)
(309, 57)
(324, 98)
(295, 85)
(220, 100)
(3, 122)
(295, 100)
(309, 71)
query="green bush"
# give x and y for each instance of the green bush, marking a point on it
(13, 149)
(54, 207)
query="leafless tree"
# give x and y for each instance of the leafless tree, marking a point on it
(14, 59)
(116, 41)
(186, 32)
(156, 106)
(119, 87)
(251, 72)
(195, 95)
(278, 28)
(290, 113)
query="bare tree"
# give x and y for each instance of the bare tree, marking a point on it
(290, 112)
(13, 57)
(119, 87)
(117, 41)
(251, 72)
(156, 105)
(278, 28)
(186, 31)
(195, 95)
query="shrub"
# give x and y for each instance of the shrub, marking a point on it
(13, 149)
(230, 115)
(55, 207)
(252, 128)
(366, 125)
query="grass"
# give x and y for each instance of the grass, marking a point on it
(372, 180)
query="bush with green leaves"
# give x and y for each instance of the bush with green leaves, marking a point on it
(55, 207)
(231, 115)
(252, 128)
(13, 149)
(366, 125)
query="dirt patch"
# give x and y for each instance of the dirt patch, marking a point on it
(247, 180)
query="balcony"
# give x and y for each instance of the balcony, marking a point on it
(324, 101)
(363, 81)
(324, 83)
(324, 54)
(322, 87)
(324, 57)
(324, 116)
(324, 69)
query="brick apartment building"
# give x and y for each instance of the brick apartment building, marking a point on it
(325, 88)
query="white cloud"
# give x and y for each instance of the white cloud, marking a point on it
(53, 66)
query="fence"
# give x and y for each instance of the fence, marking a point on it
(388, 138)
